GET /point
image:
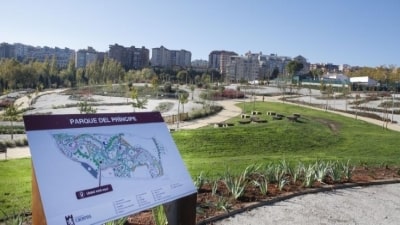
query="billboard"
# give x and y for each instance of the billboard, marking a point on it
(93, 168)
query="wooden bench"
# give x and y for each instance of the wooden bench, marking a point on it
(216, 125)
(256, 113)
(244, 116)
(270, 113)
(3, 149)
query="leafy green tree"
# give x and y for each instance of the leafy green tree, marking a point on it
(316, 73)
(155, 84)
(293, 67)
(148, 73)
(274, 74)
(182, 76)
(183, 99)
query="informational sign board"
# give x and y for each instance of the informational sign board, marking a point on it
(93, 168)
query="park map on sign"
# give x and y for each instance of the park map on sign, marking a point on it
(111, 155)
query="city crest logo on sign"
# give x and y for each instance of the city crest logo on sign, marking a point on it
(71, 221)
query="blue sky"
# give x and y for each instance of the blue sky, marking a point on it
(355, 32)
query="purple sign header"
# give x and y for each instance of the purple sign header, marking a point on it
(46, 122)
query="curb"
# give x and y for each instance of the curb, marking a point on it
(301, 193)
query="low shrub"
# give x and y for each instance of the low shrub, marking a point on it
(11, 143)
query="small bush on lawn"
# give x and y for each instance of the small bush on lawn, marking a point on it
(11, 143)
(20, 142)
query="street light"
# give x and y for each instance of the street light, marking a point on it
(392, 105)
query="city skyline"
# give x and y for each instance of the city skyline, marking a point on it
(357, 33)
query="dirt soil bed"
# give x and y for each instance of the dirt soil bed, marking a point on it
(211, 206)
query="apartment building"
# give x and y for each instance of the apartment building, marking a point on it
(271, 65)
(7, 50)
(240, 68)
(325, 67)
(218, 60)
(200, 65)
(130, 58)
(163, 57)
(23, 52)
(84, 57)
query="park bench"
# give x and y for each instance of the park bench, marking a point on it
(256, 113)
(244, 116)
(3, 149)
(270, 113)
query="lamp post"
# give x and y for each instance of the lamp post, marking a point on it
(392, 105)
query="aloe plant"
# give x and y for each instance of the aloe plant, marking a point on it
(120, 221)
(214, 187)
(298, 172)
(347, 170)
(282, 183)
(309, 176)
(159, 215)
(223, 204)
(237, 184)
(321, 169)
(335, 172)
(262, 184)
(199, 180)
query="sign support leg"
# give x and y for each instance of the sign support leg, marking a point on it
(38, 217)
(182, 211)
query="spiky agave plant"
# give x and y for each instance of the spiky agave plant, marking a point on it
(335, 172)
(120, 221)
(262, 184)
(321, 169)
(236, 184)
(309, 176)
(347, 170)
(282, 183)
(159, 215)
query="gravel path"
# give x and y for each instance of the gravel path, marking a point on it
(373, 205)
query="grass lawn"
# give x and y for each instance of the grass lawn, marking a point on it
(15, 187)
(317, 135)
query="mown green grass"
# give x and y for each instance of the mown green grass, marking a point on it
(15, 187)
(215, 150)
(318, 135)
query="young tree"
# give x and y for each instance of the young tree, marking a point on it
(12, 114)
(137, 102)
(183, 99)
(182, 75)
(155, 84)
(293, 67)
(192, 87)
(85, 108)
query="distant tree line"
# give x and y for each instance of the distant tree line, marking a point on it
(386, 75)
(42, 75)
